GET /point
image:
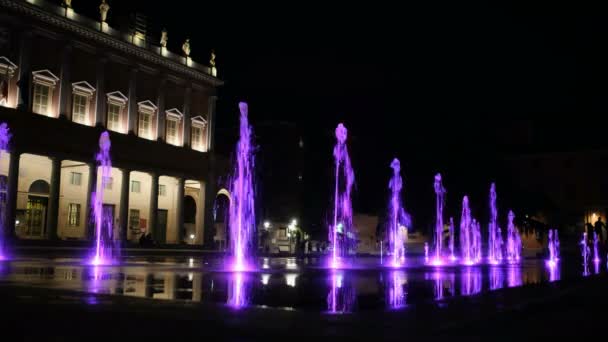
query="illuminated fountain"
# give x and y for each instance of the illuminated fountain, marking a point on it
(106, 249)
(466, 234)
(513, 240)
(596, 251)
(553, 243)
(242, 207)
(585, 251)
(439, 203)
(341, 232)
(398, 218)
(452, 237)
(494, 233)
(5, 137)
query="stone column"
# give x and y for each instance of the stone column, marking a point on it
(132, 109)
(200, 215)
(186, 111)
(123, 217)
(91, 187)
(64, 84)
(12, 187)
(154, 207)
(160, 123)
(180, 210)
(101, 111)
(53, 205)
(211, 122)
(25, 72)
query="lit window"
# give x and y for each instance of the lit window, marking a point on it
(3, 92)
(114, 117)
(145, 125)
(162, 190)
(172, 131)
(79, 108)
(197, 137)
(135, 186)
(75, 178)
(73, 215)
(108, 183)
(41, 99)
(134, 220)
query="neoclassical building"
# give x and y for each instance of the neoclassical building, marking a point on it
(66, 78)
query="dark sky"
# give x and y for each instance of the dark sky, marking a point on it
(425, 81)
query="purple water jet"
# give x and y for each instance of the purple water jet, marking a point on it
(494, 234)
(340, 232)
(585, 251)
(452, 237)
(105, 249)
(466, 234)
(596, 251)
(439, 203)
(5, 137)
(398, 218)
(553, 245)
(242, 207)
(513, 240)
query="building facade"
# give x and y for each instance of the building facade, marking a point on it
(65, 79)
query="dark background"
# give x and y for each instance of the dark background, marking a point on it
(444, 86)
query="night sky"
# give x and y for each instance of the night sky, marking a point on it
(433, 83)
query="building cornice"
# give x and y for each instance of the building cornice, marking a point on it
(107, 40)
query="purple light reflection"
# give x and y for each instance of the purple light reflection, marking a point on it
(237, 291)
(396, 294)
(5, 137)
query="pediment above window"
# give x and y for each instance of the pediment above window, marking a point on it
(199, 121)
(7, 67)
(117, 97)
(45, 77)
(83, 88)
(174, 113)
(147, 106)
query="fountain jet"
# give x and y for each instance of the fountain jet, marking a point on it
(398, 218)
(340, 232)
(106, 239)
(440, 202)
(242, 207)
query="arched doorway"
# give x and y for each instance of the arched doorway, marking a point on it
(189, 217)
(34, 217)
(221, 212)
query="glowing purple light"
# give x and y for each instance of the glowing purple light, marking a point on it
(596, 252)
(341, 234)
(104, 250)
(242, 206)
(5, 137)
(396, 294)
(553, 244)
(398, 218)
(341, 296)
(440, 202)
(494, 234)
(513, 240)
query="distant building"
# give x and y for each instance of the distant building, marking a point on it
(64, 79)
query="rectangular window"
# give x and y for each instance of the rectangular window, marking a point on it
(134, 220)
(197, 137)
(108, 183)
(73, 215)
(75, 178)
(79, 108)
(145, 125)
(114, 117)
(162, 190)
(41, 99)
(135, 186)
(172, 132)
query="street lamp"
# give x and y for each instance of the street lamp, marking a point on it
(294, 222)
(266, 224)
